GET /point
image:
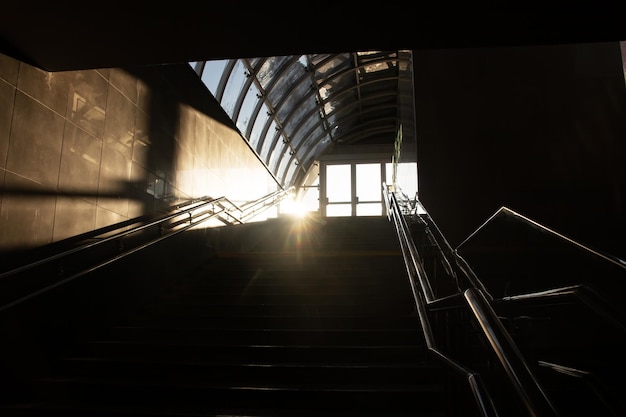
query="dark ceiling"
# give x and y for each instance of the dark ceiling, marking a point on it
(80, 35)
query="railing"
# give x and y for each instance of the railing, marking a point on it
(581, 293)
(505, 211)
(105, 246)
(525, 243)
(577, 293)
(520, 376)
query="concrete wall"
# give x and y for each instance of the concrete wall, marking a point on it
(80, 150)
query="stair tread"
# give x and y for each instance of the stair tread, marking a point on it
(228, 351)
(329, 332)
(273, 364)
(319, 387)
(304, 346)
(290, 346)
(264, 330)
(108, 410)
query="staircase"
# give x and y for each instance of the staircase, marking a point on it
(289, 318)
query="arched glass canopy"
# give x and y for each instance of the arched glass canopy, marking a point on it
(292, 109)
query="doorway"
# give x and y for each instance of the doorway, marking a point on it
(352, 189)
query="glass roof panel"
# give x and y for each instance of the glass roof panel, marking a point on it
(317, 148)
(340, 104)
(275, 157)
(291, 73)
(339, 81)
(327, 65)
(253, 62)
(291, 172)
(310, 140)
(267, 142)
(378, 66)
(296, 117)
(235, 83)
(295, 108)
(307, 121)
(270, 68)
(249, 103)
(212, 74)
(259, 123)
(367, 53)
(284, 164)
(301, 95)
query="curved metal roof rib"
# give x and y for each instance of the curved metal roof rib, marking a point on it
(293, 109)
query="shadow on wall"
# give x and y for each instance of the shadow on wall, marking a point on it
(72, 152)
(80, 150)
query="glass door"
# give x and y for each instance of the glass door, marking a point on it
(339, 190)
(369, 195)
(353, 189)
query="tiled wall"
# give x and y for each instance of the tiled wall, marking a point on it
(80, 150)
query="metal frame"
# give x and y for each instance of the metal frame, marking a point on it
(369, 105)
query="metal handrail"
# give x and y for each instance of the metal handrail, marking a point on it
(524, 381)
(191, 214)
(609, 258)
(611, 400)
(584, 294)
(480, 392)
(580, 292)
(520, 375)
(410, 253)
(253, 208)
(449, 253)
(483, 399)
(160, 221)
